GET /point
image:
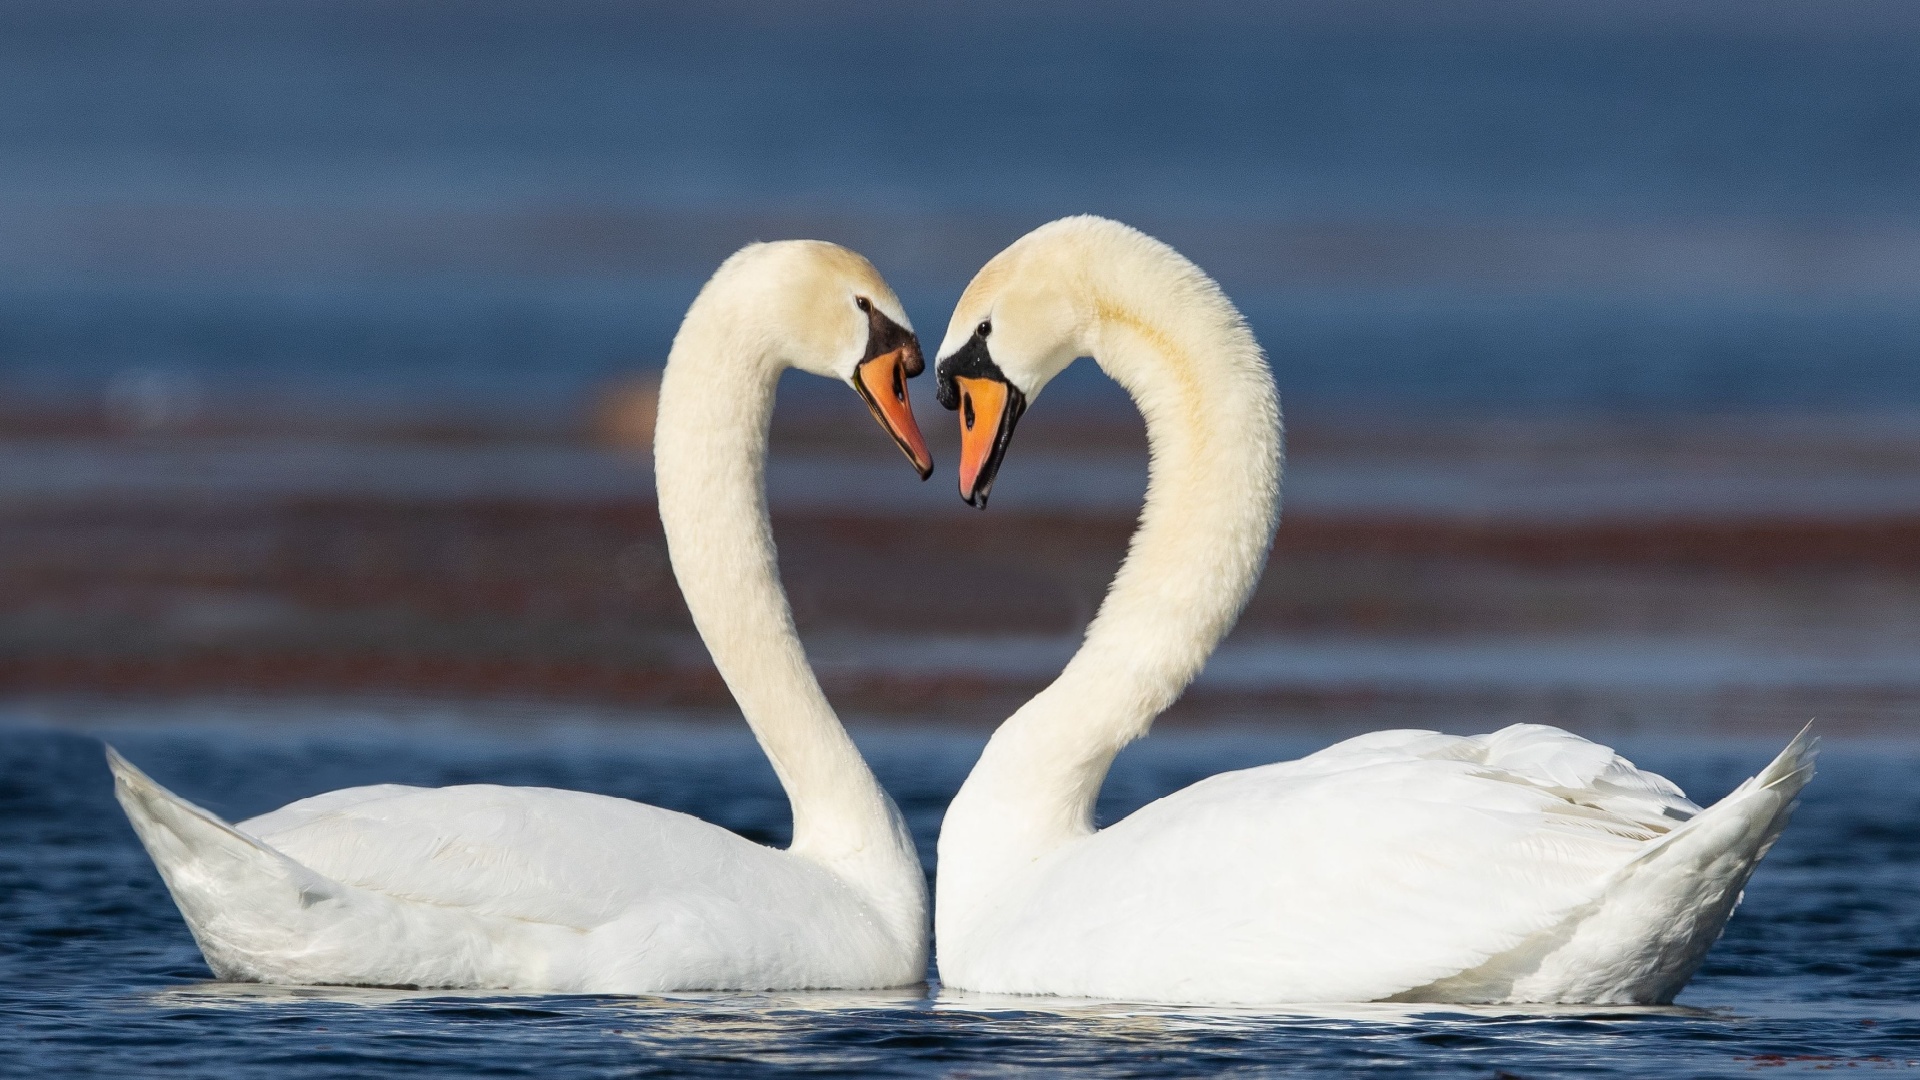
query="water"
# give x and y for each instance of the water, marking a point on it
(1688, 205)
(1820, 969)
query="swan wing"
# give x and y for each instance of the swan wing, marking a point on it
(1643, 937)
(566, 858)
(1371, 868)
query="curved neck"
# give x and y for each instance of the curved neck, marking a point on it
(1165, 333)
(710, 447)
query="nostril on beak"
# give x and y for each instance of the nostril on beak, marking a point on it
(899, 384)
(966, 409)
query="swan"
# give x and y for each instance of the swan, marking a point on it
(1526, 865)
(535, 889)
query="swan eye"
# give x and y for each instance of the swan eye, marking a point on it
(863, 303)
(985, 328)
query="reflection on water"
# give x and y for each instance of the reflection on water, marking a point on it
(929, 997)
(916, 1033)
(1817, 970)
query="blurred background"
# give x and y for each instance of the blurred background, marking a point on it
(328, 332)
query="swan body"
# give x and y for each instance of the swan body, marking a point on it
(503, 887)
(536, 889)
(1526, 865)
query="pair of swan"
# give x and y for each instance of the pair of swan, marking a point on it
(1528, 865)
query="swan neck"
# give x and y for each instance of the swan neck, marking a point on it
(710, 447)
(1168, 335)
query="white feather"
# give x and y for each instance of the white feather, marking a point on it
(500, 887)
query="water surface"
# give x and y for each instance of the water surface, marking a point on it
(1683, 206)
(1818, 970)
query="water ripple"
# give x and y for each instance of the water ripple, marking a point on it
(1818, 971)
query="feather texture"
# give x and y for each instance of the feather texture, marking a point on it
(499, 887)
(1524, 865)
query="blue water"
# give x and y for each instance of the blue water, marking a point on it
(1227, 108)
(502, 204)
(1820, 969)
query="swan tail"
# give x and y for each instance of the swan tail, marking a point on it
(241, 899)
(1650, 929)
(1787, 775)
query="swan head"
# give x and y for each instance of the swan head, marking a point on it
(1022, 320)
(835, 316)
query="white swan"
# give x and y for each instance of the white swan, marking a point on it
(541, 890)
(1525, 865)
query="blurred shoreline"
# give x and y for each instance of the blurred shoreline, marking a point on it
(1705, 575)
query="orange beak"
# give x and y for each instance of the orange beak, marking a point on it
(988, 410)
(882, 383)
